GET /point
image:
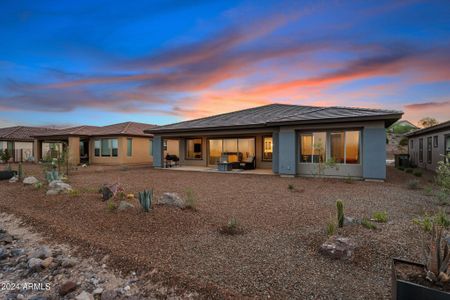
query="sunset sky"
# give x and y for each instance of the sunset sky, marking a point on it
(101, 62)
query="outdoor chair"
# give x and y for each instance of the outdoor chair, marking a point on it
(249, 163)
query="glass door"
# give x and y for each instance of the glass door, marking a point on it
(215, 150)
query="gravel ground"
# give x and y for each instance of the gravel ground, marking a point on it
(277, 256)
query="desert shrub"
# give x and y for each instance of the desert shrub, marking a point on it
(38, 185)
(340, 213)
(443, 178)
(443, 197)
(413, 184)
(403, 141)
(348, 180)
(290, 187)
(426, 222)
(380, 216)
(121, 195)
(429, 190)
(331, 228)
(191, 200)
(111, 205)
(367, 224)
(5, 156)
(74, 193)
(417, 173)
(231, 228)
(409, 170)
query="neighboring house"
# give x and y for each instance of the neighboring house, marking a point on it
(18, 141)
(288, 139)
(123, 143)
(429, 145)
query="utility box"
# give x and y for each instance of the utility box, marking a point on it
(402, 160)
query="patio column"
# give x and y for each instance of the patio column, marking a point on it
(287, 149)
(374, 153)
(158, 152)
(275, 152)
(73, 150)
(37, 150)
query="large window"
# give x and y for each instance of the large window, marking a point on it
(106, 147)
(150, 147)
(129, 147)
(267, 148)
(194, 149)
(420, 150)
(231, 150)
(342, 147)
(435, 141)
(429, 150)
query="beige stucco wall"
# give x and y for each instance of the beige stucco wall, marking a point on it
(140, 152)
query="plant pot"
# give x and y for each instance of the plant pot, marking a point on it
(6, 175)
(407, 290)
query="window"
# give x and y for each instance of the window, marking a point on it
(165, 145)
(420, 150)
(150, 149)
(106, 147)
(129, 147)
(194, 149)
(231, 150)
(343, 148)
(313, 147)
(447, 146)
(429, 155)
(435, 141)
(267, 148)
(411, 144)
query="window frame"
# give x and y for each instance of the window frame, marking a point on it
(99, 148)
(435, 141)
(110, 144)
(263, 147)
(186, 148)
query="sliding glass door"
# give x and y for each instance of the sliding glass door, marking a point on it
(231, 149)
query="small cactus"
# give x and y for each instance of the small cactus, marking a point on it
(52, 175)
(145, 199)
(340, 213)
(20, 171)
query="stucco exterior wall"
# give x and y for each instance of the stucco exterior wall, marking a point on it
(436, 152)
(140, 151)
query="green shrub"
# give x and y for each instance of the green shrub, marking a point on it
(191, 200)
(380, 216)
(413, 184)
(443, 197)
(417, 173)
(409, 170)
(5, 156)
(427, 221)
(111, 205)
(443, 178)
(74, 193)
(340, 213)
(38, 185)
(367, 224)
(331, 228)
(429, 191)
(231, 228)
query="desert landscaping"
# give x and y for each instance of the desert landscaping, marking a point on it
(280, 225)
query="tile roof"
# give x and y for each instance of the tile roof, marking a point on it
(279, 114)
(23, 133)
(438, 127)
(126, 128)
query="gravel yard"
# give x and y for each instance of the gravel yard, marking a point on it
(276, 256)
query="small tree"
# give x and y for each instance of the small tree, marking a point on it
(427, 122)
(5, 156)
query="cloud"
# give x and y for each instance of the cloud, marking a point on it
(427, 105)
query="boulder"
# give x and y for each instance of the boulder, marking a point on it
(97, 291)
(172, 199)
(35, 264)
(30, 180)
(14, 179)
(58, 187)
(109, 295)
(67, 287)
(124, 205)
(68, 262)
(42, 252)
(338, 248)
(5, 238)
(351, 221)
(84, 296)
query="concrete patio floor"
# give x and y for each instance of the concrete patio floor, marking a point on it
(214, 170)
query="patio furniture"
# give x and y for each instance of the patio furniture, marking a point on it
(224, 166)
(248, 164)
(171, 161)
(6, 175)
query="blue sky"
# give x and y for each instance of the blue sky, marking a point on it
(101, 62)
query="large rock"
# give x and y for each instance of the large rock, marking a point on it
(68, 262)
(109, 295)
(351, 221)
(35, 264)
(3, 253)
(58, 187)
(42, 252)
(14, 179)
(30, 180)
(172, 199)
(124, 205)
(338, 248)
(67, 287)
(84, 296)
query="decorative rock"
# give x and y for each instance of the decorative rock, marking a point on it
(17, 252)
(109, 295)
(172, 199)
(351, 221)
(84, 296)
(58, 187)
(5, 238)
(52, 192)
(124, 205)
(97, 291)
(42, 253)
(67, 287)
(69, 262)
(30, 180)
(338, 248)
(35, 264)
(47, 262)
(3, 254)
(14, 179)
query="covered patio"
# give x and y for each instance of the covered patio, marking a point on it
(215, 170)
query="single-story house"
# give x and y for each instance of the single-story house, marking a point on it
(19, 141)
(290, 140)
(122, 143)
(428, 146)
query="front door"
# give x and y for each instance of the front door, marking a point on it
(84, 151)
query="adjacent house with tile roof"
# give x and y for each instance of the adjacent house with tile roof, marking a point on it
(288, 139)
(122, 143)
(19, 141)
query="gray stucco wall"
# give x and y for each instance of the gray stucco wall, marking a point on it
(287, 147)
(436, 152)
(374, 152)
(157, 152)
(275, 151)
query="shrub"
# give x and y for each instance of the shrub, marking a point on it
(443, 177)
(367, 224)
(38, 185)
(443, 197)
(413, 184)
(340, 213)
(190, 200)
(74, 193)
(121, 195)
(380, 216)
(331, 228)
(429, 191)
(417, 173)
(5, 156)
(231, 228)
(290, 187)
(409, 170)
(111, 205)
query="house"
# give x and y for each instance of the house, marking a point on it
(122, 143)
(289, 140)
(19, 141)
(428, 146)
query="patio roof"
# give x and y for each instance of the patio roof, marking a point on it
(435, 128)
(280, 114)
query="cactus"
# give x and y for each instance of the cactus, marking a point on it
(52, 175)
(20, 171)
(340, 213)
(145, 199)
